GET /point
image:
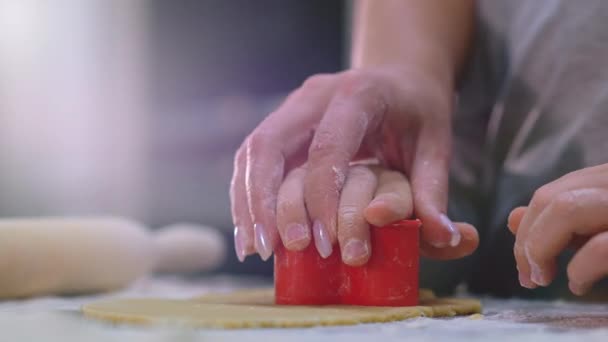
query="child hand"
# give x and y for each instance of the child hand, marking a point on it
(371, 195)
(569, 212)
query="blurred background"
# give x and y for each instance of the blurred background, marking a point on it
(135, 108)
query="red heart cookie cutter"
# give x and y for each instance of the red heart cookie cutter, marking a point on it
(390, 277)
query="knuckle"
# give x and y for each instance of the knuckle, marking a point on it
(360, 173)
(348, 216)
(356, 80)
(531, 253)
(542, 197)
(315, 82)
(324, 145)
(240, 154)
(518, 251)
(239, 160)
(348, 211)
(286, 208)
(237, 173)
(363, 86)
(257, 142)
(565, 203)
(232, 193)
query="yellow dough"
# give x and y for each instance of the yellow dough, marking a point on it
(256, 309)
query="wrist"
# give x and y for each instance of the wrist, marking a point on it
(438, 71)
(430, 84)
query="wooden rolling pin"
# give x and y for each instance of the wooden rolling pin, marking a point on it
(45, 256)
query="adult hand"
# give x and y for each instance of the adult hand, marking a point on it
(400, 116)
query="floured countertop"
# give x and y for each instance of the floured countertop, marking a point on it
(59, 319)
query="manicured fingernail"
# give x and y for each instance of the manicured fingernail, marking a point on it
(262, 242)
(322, 241)
(577, 288)
(454, 232)
(526, 282)
(354, 251)
(239, 244)
(296, 235)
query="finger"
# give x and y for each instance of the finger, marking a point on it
(584, 178)
(292, 219)
(294, 121)
(263, 177)
(430, 186)
(522, 265)
(353, 229)
(243, 228)
(541, 198)
(515, 218)
(513, 223)
(355, 108)
(588, 264)
(292, 125)
(470, 241)
(572, 213)
(392, 200)
(589, 177)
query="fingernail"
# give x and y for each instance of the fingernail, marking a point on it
(262, 243)
(321, 239)
(536, 274)
(354, 251)
(438, 244)
(239, 244)
(454, 232)
(295, 234)
(526, 282)
(577, 288)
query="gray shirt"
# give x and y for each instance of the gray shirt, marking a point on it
(533, 106)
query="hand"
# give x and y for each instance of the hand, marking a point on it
(370, 195)
(569, 212)
(401, 117)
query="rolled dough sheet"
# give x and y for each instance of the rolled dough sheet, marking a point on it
(256, 309)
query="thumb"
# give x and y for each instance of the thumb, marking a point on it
(429, 175)
(515, 218)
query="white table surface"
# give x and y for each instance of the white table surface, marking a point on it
(59, 319)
